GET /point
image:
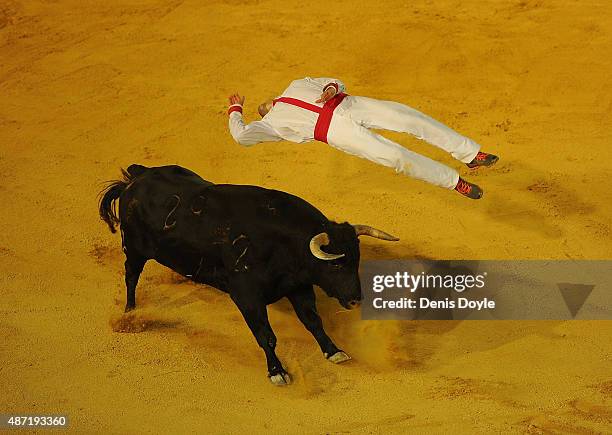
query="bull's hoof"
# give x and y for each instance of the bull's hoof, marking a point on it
(338, 357)
(129, 308)
(280, 379)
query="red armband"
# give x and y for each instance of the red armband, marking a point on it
(234, 108)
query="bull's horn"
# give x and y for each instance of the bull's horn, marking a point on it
(366, 230)
(315, 247)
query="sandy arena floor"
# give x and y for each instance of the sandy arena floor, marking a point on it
(89, 88)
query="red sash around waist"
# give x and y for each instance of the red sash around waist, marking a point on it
(325, 113)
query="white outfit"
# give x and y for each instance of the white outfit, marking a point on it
(349, 130)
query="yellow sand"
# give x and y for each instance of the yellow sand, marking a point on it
(88, 88)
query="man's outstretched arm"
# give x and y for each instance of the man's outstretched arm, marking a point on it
(255, 132)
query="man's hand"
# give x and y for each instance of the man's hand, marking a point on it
(236, 99)
(327, 95)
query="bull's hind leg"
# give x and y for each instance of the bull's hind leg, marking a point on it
(304, 304)
(133, 268)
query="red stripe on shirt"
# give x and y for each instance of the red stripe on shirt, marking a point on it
(325, 113)
(299, 103)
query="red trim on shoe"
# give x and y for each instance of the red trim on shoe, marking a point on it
(481, 156)
(463, 187)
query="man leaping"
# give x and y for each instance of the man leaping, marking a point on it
(319, 109)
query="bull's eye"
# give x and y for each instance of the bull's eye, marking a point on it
(336, 264)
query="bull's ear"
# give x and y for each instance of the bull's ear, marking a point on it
(366, 230)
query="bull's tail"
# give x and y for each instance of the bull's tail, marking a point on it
(111, 193)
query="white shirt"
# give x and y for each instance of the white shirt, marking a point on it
(285, 121)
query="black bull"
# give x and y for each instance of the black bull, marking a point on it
(256, 244)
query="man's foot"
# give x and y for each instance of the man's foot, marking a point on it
(482, 159)
(468, 189)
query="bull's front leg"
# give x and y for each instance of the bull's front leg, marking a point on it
(304, 304)
(255, 314)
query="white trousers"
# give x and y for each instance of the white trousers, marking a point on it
(349, 132)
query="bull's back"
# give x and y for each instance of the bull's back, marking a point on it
(188, 224)
(172, 174)
(168, 194)
(262, 206)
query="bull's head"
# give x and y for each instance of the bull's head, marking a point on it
(335, 254)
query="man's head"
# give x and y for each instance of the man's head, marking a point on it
(264, 108)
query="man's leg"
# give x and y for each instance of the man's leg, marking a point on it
(389, 115)
(352, 138)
